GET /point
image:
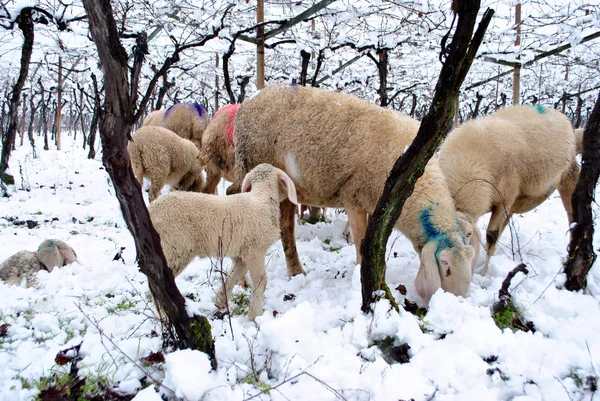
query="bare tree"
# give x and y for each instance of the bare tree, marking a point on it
(187, 332)
(410, 166)
(581, 249)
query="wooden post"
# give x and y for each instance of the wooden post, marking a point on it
(517, 71)
(260, 45)
(216, 82)
(59, 104)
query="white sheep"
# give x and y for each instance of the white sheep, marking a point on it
(339, 150)
(165, 158)
(509, 162)
(188, 120)
(24, 264)
(241, 227)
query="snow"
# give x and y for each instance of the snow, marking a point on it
(312, 342)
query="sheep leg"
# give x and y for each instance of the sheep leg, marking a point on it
(155, 188)
(259, 285)
(566, 187)
(358, 224)
(498, 222)
(288, 238)
(213, 177)
(238, 272)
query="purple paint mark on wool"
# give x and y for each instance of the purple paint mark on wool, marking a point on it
(168, 112)
(199, 109)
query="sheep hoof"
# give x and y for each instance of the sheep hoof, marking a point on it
(295, 270)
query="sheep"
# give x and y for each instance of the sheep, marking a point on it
(338, 150)
(241, 227)
(24, 264)
(189, 121)
(218, 143)
(509, 162)
(165, 158)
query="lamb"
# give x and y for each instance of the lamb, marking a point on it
(338, 150)
(165, 158)
(241, 227)
(506, 163)
(24, 264)
(189, 121)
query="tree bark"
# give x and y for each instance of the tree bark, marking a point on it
(22, 133)
(304, 66)
(581, 251)
(96, 117)
(382, 69)
(58, 118)
(115, 128)
(411, 164)
(25, 23)
(32, 110)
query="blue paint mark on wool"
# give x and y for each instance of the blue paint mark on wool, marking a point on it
(433, 234)
(540, 109)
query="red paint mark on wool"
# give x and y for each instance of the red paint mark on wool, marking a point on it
(232, 109)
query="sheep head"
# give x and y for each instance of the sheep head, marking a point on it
(265, 173)
(52, 253)
(446, 259)
(468, 226)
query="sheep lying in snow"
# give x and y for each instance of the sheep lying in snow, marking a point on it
(338, 150)
(241, 227)
(165, 158)
(509, 162)
(189, 121)
(24, 264)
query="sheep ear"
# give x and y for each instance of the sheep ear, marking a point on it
(67, 253)
(246, 184)
(428, 279)
(204, 156)
(286, 185)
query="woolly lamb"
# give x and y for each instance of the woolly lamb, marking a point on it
(189, 121)
(24, 264)
(338, 150)
(241, 227)
(509, 162)
(165, 158)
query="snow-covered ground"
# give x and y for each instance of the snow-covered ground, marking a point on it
(312, 343)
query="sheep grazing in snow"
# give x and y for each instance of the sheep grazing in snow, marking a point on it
(189, 121)
(217, 141)
(241, 227)
(509, 162)
(165, 158)
(338, 150)
(24, 264)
